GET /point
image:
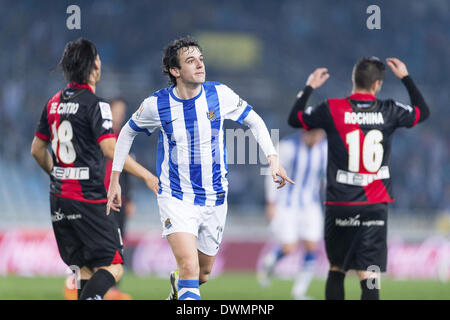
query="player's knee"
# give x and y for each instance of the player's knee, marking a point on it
(310, 246)
(288, 248)
(363, 275)
(116, 270)
(336, 268)
(204, 276)
(86, 273)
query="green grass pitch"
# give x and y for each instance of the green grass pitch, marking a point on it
(229, 286)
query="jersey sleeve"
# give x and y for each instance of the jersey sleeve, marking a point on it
(146, 118)
(405, 115)
(315, 116)
(101, 121)
(232, 106)
(43, 130)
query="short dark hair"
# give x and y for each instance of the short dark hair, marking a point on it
(170, 58)
(367, 71)
(78, 60)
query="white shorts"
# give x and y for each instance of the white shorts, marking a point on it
(289, 226)
(205, 222)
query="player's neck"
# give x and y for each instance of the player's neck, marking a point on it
(92, 85)
(363, 91)
(187, 91)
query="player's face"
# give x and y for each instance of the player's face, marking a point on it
(97, 68)
(192, 68)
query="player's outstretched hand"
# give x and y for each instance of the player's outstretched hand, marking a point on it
(397, 67)
(152, 183)
(278, 172)
(114, 197)
(317, 78)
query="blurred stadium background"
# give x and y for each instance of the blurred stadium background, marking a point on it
(264, 51)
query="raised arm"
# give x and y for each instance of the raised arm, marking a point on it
(315, 80)
(417, 100)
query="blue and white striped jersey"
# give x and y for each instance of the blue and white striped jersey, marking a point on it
(306, 166)
(191, 154)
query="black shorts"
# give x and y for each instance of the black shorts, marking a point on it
(85, 235)
(356, 236)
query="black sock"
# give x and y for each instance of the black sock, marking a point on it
(334, 289)
(82, 285)
(367, 293)
(98, 285)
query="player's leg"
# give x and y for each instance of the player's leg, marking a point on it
(310, 230)
(371, 254)
(369, 282)
(205, 263)
(271, 259)
(306, 274)
(334, 287)
(284, 232)
(101, 247)
(69, 245)
(339, 238)
(85, 274)
(184, 248)
(180, 221)
(210, 234)
(102, 280)
(115, 293)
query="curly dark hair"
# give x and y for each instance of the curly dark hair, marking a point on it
(78, 60)
(170, 58)
(367, 71)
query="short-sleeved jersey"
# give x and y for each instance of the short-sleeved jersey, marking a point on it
(359, 132)
(191, 154)
(306, 166)
(75, 120)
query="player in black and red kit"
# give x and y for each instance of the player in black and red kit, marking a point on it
(359, 130)
(78, 125)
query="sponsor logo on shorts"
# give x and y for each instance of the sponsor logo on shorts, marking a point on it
(355, 222)
(377, 223)
(58, 216)
(168, 224)
(349, 222)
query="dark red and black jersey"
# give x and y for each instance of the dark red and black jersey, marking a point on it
(359, 131)
(75, 120)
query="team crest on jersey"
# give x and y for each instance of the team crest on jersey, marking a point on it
(211, 116)
(167, 224)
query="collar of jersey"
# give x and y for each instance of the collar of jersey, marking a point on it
(362, 96)
(76, 85)
(187, 100)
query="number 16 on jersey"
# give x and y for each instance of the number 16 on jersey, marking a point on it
(372, 150)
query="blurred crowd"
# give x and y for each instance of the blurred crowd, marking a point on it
(296, 37)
